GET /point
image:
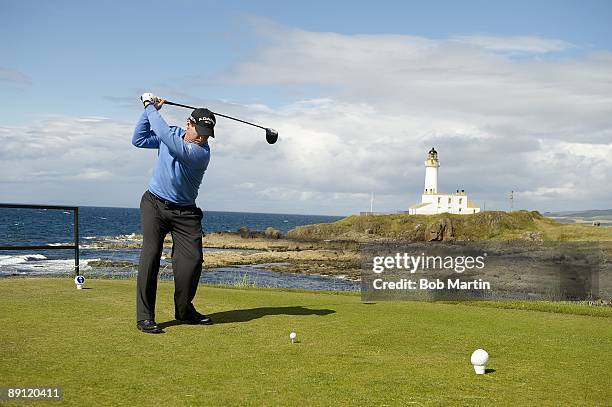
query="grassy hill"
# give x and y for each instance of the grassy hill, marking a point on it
(490, 225)
(349, 352)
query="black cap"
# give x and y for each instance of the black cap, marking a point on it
(204, 121)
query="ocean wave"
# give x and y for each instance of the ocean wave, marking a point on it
(131, 236)
(33, 264)
(20, 259)
(81, 245)
(122, 237)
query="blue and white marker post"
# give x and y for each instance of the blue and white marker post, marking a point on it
(79, 281)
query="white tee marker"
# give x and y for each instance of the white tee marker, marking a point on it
(479, 359)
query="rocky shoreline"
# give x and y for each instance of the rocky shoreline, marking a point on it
(274, 253)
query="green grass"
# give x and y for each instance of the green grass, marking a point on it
(573, 232)
(489, 225)
(561, 307)
(349, 353)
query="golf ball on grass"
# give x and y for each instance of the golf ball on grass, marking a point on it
(292, 336)
(479, 359)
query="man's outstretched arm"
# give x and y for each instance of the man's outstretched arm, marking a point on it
(177, 147)
(143, 136)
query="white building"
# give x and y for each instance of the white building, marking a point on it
(433, 202)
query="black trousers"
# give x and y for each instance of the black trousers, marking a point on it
(185, 225)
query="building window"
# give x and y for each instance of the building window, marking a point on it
(459, 201)
(459, 209)
(449, 200)
(439, 199)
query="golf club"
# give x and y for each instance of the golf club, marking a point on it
(271, 134)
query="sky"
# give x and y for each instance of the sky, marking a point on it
(514, 96)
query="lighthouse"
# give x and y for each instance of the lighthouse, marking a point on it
(431, 172)
(433, 202)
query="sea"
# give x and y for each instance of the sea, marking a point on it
(104, 225)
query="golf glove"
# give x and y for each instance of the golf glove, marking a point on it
(148, 98)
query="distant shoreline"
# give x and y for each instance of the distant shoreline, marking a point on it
(203, 208)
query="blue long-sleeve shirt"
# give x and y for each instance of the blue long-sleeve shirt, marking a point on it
(180, 165)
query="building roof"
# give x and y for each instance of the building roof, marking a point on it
(446, 194)
(420, 205)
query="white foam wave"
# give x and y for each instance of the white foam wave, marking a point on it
(132, 237)
(39, 264)
(35, 257)
(20, 259)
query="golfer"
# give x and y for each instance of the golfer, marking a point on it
(168, 206)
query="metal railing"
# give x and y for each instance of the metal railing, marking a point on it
(74, 246)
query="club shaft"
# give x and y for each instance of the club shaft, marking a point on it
(239, 120)
(178, 104)
(217, 114)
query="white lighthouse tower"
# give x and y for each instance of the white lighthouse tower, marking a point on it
(433, 202)
(431, 172)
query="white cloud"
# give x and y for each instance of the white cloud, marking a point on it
(83, 160)
(547, 193)
(540, 127)
(515, 45)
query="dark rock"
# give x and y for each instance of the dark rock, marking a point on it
(442, 230)
(272, 233)
(244, 232)
(532, 236)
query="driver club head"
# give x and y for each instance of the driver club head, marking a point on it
(271, 136)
